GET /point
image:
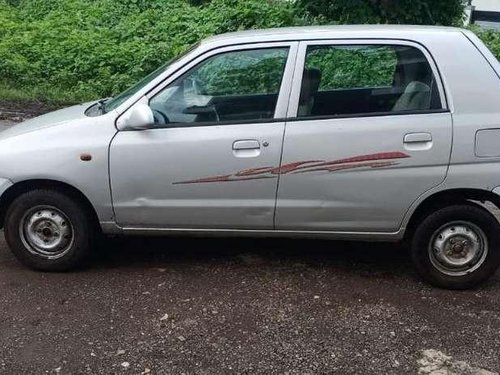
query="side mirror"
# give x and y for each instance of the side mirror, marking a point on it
(139, 117)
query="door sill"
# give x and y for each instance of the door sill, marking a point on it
(112, 228)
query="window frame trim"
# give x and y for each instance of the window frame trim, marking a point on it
(293, 107)
(285, 88)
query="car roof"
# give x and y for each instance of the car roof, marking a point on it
(328, 32)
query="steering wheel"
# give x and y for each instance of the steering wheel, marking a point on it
(160, 117)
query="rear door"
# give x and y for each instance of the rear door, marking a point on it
(368, 132)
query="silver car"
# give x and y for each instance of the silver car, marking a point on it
(347, 132)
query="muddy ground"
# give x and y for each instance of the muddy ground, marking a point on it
(212, 306)
(13, 111)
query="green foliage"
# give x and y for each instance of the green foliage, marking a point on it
(82, 49)
(97, 48)
(418, 12)
(491, 38)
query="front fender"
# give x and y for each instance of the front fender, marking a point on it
(4, 185)
(55, 153)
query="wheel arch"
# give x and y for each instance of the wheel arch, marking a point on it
(446, 198)
(28, 185)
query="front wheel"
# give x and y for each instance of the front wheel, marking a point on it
(48, 230)
(457, 247)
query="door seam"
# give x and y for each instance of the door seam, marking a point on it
(284, 135)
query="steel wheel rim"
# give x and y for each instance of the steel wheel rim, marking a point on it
(46, 232)
(458, 248)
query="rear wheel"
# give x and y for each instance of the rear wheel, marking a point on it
(48, 230)
(457, 247)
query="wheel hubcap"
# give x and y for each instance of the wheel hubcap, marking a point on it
(458, 248)
(46, 232)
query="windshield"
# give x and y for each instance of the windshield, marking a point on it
(121, 98)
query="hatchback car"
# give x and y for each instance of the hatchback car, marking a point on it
(347, 132)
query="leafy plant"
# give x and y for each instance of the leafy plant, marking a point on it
(84, 49)
(419, 12)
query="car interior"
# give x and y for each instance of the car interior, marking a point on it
(413, 89)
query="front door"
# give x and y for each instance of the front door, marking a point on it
(215, 127)
(369, 133)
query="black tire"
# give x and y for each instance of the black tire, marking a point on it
(72, 218)
(436, 232)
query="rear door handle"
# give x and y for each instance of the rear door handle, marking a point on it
(418, 138)
(418, 141)
(247, 144)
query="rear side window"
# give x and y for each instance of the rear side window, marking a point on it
(366, 79)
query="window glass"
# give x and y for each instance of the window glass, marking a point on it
(353, 67)
(363, 79)
(230, 87)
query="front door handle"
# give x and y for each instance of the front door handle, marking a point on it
(246, 148)
(417, 137)
(247, 144)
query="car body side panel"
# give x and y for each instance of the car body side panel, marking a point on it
(191, 177)
(472, 88)
(447, 50)
(53, 153)
(369, 179)
(370, 175)
(473, 91)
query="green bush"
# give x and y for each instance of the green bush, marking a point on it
(74, 50)
(86, 49)
(491, 38)
(415, 12)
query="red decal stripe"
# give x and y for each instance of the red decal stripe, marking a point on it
(359, 161)
(337, 168)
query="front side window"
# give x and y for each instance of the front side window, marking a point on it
(226, 88)
(364, 79)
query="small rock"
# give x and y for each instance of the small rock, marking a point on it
(316, 297)
(58, 370)
(164, 317)
(393, 334)
(120, 352)
(125, 364)
(434, 362)
(146, 371)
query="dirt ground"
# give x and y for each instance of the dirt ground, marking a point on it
(243, 306)
(212, 306)
(18, 111)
